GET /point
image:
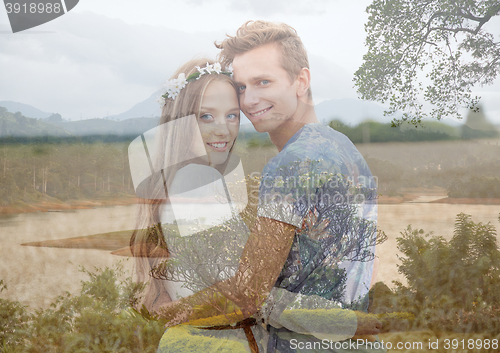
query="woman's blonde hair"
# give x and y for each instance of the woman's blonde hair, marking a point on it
(147, 243)
(254, 34)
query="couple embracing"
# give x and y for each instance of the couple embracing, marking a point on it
(294, 275)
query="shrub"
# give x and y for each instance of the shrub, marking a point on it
(452, 285)
(99, 319)
(13, 321)
(392, 322)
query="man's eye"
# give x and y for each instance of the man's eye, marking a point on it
(264, 82)
(241, 88)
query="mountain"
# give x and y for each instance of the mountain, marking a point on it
(128, 127)
(350, 111)
(25, 109)
(16, 125)
(144, 116)
(149, 108)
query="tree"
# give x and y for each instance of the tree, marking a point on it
(478, 126)
(21, 119)
(55, 118)
(3, 129)
(443, 43)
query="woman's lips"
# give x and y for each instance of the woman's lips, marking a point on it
(218, 146)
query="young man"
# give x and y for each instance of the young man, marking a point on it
(318, 188)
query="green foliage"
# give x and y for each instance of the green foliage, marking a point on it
(55, 118)
(415, 41)
(381, 299)
(380, 132)
(99, 319)
(16, 125)
(16, 128)
(452, 285)
(13, 321)
(396, 321)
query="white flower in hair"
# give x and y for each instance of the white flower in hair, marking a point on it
(174, 86)
(173, 94)
(181, 81)
(208, 69)
(160, 100)
(217, 67)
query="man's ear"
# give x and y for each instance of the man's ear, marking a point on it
(303, 82)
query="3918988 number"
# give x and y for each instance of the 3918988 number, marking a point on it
(33, 7)
(470, 344)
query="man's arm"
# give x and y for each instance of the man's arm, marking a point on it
(261, 262)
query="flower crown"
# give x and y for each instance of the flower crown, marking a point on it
(175, 85)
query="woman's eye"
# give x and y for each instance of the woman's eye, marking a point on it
(206, 117)
(264, 82)
(232, 117)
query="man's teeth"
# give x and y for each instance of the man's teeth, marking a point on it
(218, 145)
(260, 113)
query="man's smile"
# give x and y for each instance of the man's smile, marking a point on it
(260, 112)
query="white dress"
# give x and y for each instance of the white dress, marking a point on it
(201, 200)
(205, 249)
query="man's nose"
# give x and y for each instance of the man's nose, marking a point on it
(250, 97)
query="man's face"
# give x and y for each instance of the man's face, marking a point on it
(268, 97)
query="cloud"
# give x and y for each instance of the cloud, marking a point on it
(92, 64)
(266, 8)
(329, 80)
(134, 52)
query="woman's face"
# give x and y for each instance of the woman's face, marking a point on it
(219, 120)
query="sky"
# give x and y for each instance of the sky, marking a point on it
(103, 57)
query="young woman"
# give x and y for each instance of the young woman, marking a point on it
(189, 235)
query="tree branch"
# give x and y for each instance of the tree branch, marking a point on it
(455, 30)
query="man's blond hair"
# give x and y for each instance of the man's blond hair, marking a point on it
(254, 34)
